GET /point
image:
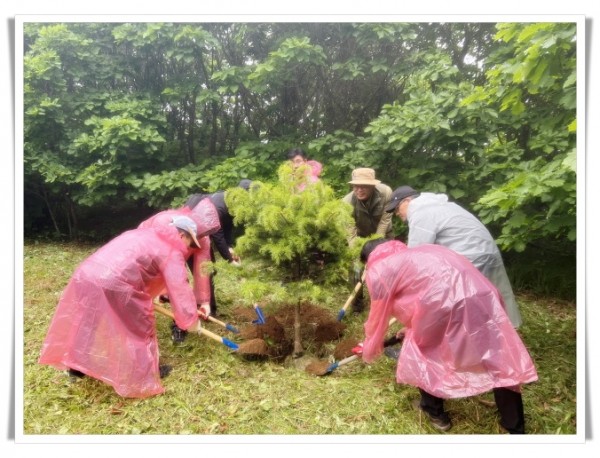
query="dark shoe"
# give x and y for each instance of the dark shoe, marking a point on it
(441, 422)
(392, 352)
(164, 370)
(358, 305)
(76, 374)
(178, 335)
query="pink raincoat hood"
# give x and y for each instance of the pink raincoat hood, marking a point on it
(207, 220)
(315, 169)
(459, 341)
(206, 217)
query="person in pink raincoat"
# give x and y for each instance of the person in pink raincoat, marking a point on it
(104, 325)
(207, 222)
(312, 168)
(458, 339)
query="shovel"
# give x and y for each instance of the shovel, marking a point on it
(207, 333)
(227, 326)
(352, 296)
(324, 368)
(259, 314)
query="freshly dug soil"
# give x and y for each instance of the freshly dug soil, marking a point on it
(254, 347)
(328, 331)
(275, 338)
(244, 314)
(316, 324)
(318, 367)
(344, 348)
(272, 329)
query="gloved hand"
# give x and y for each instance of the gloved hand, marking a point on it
(358, 349)
(236, 263)
(234, 257)
(204, 311)
(357, 271)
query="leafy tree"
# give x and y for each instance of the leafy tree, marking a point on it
(124, 118)
(532, 154)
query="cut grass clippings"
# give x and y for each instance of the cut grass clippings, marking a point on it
(213, 391)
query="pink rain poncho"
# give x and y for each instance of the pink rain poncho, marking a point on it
(207, 221)
(104, 325)
(313, 170)
(459, 341)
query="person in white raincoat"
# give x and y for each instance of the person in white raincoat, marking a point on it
(433, 219)
(458, 340)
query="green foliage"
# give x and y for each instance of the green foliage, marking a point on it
(124, 115)
(540, 200)
(532, 85)
(340, 153)
(428, 140)
(293, 56)
(289, 227)
(168, 189)
(116, 150)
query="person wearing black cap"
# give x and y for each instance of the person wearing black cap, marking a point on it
(433, 219)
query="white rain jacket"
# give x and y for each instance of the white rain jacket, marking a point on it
(433, 219)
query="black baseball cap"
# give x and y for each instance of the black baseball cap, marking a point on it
(398, 196)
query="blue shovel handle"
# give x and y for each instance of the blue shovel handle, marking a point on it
(230, 344)
(259, 313)
(232, 328)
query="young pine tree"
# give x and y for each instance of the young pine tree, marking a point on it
(300, 227)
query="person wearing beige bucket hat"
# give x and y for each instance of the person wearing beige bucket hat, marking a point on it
(368, 198)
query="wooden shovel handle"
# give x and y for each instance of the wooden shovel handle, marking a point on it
(163, 311)
(207, 333)
(201, 330)
(355, 291)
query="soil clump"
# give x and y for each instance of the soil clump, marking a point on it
(344, 348)
(275, 338)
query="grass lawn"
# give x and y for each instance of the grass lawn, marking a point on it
(212, 391)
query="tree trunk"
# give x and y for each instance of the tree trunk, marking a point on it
(44, 196)
(298, 350)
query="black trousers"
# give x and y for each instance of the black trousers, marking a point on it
(508, 402)
(354, 276)
(213, 300)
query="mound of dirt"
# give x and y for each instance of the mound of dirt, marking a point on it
(272, 335)
(275, 338)
(318, 367)
(328, 331)
(256, 348)
(244, 314)
(316, 324)
(344, 348)
(271, 329)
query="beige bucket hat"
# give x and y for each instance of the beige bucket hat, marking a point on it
(364, 176)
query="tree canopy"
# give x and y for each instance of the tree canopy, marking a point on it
(121, 118)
